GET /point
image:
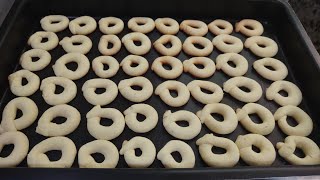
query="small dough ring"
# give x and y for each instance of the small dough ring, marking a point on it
(104, 25)
(60, 23)
(254, 43)
(175, 64)
(310, 149)
(147, 24)
(187, 155)
(267, 153)
(140, 69)
(175, 48)
(38, 158)
(294, 94)
(264, 128)
(147, 148)
(180, 132)
(36, 38)
(97, 66)
(163, 90)
(189, 47)
(229, 159)
(280, 71)
(128, 41)
(227, 43)
(195, 87)
(232, 87)
(15, 81)
(99, 131)
(129, 93)
(240, 62)
(48, 128)
(305, 124)
(85, 44)
(167, 25)
(43, 61)
(256, 28)
(106, 148)
(110, 94)
(60, 68)
(20, 151)
(229, 123)
(194, 27)
(208, 67)
(103, 45)
(147, 124)
(89, 25)
(48, 87)
(220, 26)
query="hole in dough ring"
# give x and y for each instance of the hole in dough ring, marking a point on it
(194, 27)
(280, 71)
(43, 61)
(89, 25)
(128, 41)
(146, 27)
(257, 28)
(140, 69)
(97, 66)
(15, 82)
(167, 25)
(240, 62)
(189, 47)
(294, 94)
(220, 26)
(61, 23)
(207, 63)
(103, 44)
(195, 87)
(117, 27)
(67, 44)
(227, 43)
(174, 50)
(35, 40)
(175, 64)
(270, 48)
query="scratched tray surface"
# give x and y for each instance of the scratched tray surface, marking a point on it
(158, 135)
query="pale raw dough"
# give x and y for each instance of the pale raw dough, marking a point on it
(195, 87)
(175, 64)
(208, 67)
(256, 28)
(294, 94)
(36, 38)
(84, 46)
(175, 48)
(167, 25)
(194, 27)
(190, 48)
(261, 46)
(103, 45)
(104, 25)
(28, 64)
(140, 69)
(97, 66)
(279, 71)
(15, 82)
(241, 64)
(60, 23)
(220, 26)
(128, 42)
(227, 43)
(88, 25)
(141, 24)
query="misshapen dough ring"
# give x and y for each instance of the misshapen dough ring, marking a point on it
(190, 48)
(255, 27)
(106, 28)
(240, 62)
(229, 159)
(54, 23)
(229, 123)
(82, 25)
(147, 148)
(305, 124)
(69, 44)
(175, 64)
(280, 71)
(150, 121)
(267, 153)
(208, 67)
(310, 149)
(227, 43)
(187, 155)
(15, 82)
(232, 86)
(128, 41)
(28, 64)
(167, 25)
(194, 27)
(38, 158)
(195, 87)
(141, 24)
(163, 90)
(128, 62)
(294, 94)
(261, 46)
(36, 38)
(97, 66)
(105, 40)
(220, 26)
(175, 48)
(106, 148)
(20, 151)
(264, 128)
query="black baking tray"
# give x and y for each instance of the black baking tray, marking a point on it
(279, 20)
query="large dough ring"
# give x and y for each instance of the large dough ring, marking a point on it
(181, 132)
(310, 149)
(35, 41)
(163, 90)
(54, 23)
(167, 25)
(190, 48)
(126, 90)
(305, 124)
(128, 67)
(128, 41)
(175, 64)
(15, 81)
(220, 26)
(227, 43)
(20, 151)
(106, 148)
(76, 44)
(232, 86)
(48, 128)
(228, 159)
(110, 93)
(264, 128)
(60, 68)
(294, 94)
(38, 158)
(99, 131)
(150, 121)
(195, 87)
(48, 87)
(267, 153)
(187, 155)
(279, 71)
(229, 123)
(104, 42)
(241, 63)
(98, 63)
(208, 67)
(147, 148)
(194, 27)
(141, 24)
(255, 27)
(82, 25)
(262, 46)
(106, 28)
(28, 64)
(175, 48)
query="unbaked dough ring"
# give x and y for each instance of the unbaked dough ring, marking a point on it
(208, 67)
(54, 23)
(35, 40)
(128, 41)
(128, 62)
(280, 71)
(82, 25)
(141, 24)
(97, 66)
(241, 63)
(261, 46)
(220, 26)
(175, 48)
(15, 82)
(167, 25)
(70, 44)
(227, 43)
(103, 45)
(126, 90)
(111, 25)
(189, 47)
(175, 64)
(294, 94)
(194, 27)
(28, 64)
(256, 28)
(195, 87)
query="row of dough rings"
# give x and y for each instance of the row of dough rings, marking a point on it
(190, 48)
(167, 25)
(54, 23)
(28, 64)
(15, 82)
(48, 128)
(175, 64)
(220, 26)
(104, 42)
(141, 24)
(111, 25)
(241, 64)
(76, 44)
(294, 94)
(130, 60)
(279, 71)
(194, 27)
(82, 25)
(249, 27)
(128, 42)
(195, 87)
(208, 67)
(35, 40)
(261, 46)
(175, 48)
(98, 66)
(227, 43)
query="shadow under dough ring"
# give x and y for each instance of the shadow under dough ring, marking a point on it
(261, 46)
(194, 27)
(279, 71)
(294, 96)
(16, 86)
(208, 67)
(105, 28)
(104, 42)
(98, 66)
(190, 48)
(175, 48)
(195, 87)
(35, 40)
(240, 62)
(128, 41)
(126, 90)
(220, 26)
(255, 27)
(141, 24)
(175, 64)
(82, 25)
(129, 62)
(26, 61)
(54, 23)
(227, 43)
(167, 26)
(76, 44)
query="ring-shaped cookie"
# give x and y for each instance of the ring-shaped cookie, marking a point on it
(190, 48)
(167, 25)
(279, 70)
(16, 86)
(240, 62)
(175, 64)
(82, 25)
(111, 25)
(28, 64)
(294, 94)
(194, 27)
(196, 86)
(208, 67)
(104, 42)
(98, 66)
(220, 26)
(129, 62)
(129, 39)
(175, 48)
(249, 27)
(261, 46)
(54, 23)
(227, 43)
(35, 40)
(141, 24)
(76, 44)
